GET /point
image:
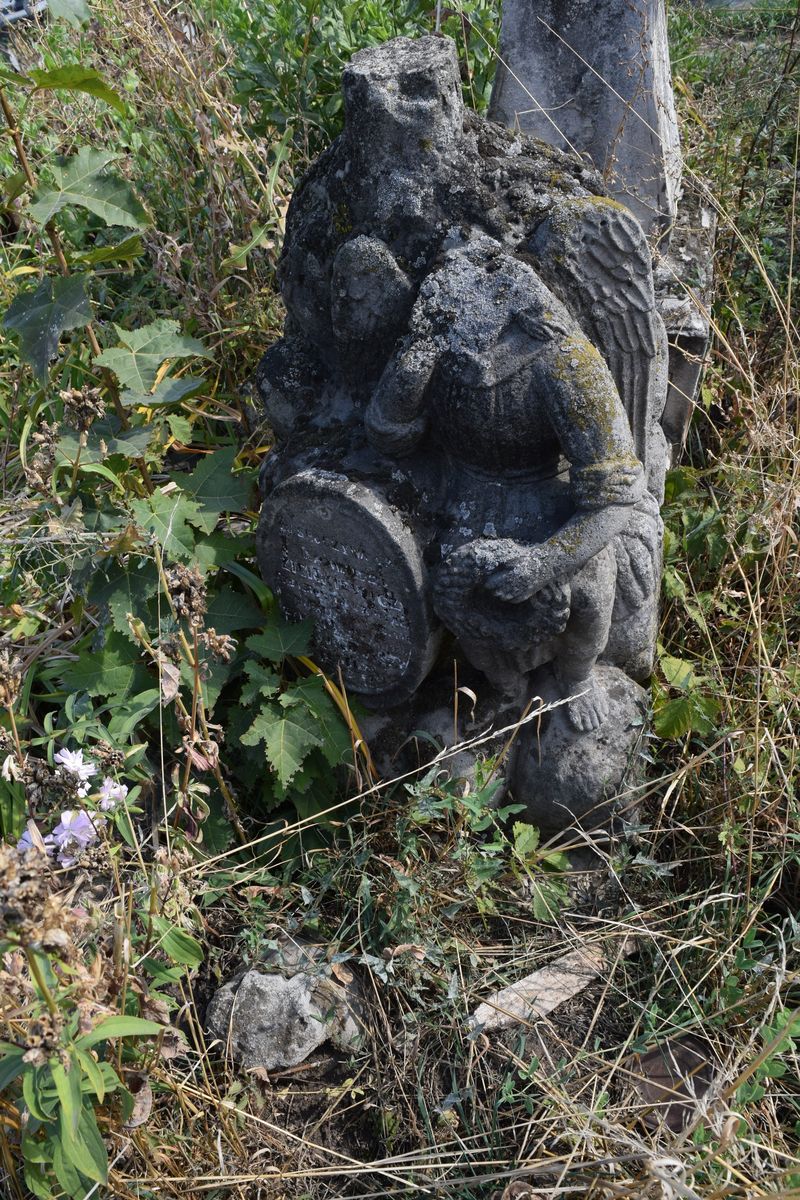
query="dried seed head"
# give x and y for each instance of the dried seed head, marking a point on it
(219, 645)
(23, 893)
(40, 465)
(10, 673)
(82, 406)
(108, 757)
(188, 592)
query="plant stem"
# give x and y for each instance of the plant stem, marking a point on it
(41, 982)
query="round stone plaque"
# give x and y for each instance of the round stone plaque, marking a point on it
(334, 551)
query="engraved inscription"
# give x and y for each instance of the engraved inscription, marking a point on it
(361, 624)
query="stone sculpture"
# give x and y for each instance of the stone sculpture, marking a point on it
(467, 401)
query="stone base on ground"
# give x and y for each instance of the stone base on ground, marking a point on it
(593, 775)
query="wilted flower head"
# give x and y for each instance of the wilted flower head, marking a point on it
(111, 794)
(188, 592)
(72, 762)
(74, 832)
(82, 406)
(10, 673)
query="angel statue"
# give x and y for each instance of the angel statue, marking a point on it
(541, 472)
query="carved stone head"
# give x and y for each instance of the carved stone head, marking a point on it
(404, 98)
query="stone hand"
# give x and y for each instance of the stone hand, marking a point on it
(524, 572)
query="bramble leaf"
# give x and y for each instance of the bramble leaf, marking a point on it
(75, 78)
(137, 359)
(79, 180)
(39, 317)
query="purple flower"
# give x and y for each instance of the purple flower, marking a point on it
(111, 794)
(27, 843)
(73, 764)
(74, 832)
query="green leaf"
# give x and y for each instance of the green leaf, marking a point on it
(180, 946)
(262, 681)
(11, 1064)
(526, 839)
(79, 180)
(219, 549)
(39, 317)
(116, 1027)
(104, 439)
(678, 673)
(216, 488)
(674, 719)
(127, 250)
(75, 78)
(169, 391)
(137, 359)
(74, 12)
(112, 671)
(36, 1181)
(94, 1076)
(68, 1087)
(125, 587)
(66, 1174)
(87, 1152)
(288, 738)
(165, 515)
(336, 744)
(229, 610)
(282, 638)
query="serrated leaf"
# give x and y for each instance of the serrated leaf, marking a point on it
(40, 316)
(103, 439)
(229, 610)
(138, 358)
(280, 638)
(677, 672)
(526, 839)
(336, 745)
(262, 681)
(169, 391)
(216, 488)
(219, 549)
(75, 12)
(75, 78)
(288, 737)
(674, 719)
(125, 588)
(80, 180)
(112, 671)
(165, 515)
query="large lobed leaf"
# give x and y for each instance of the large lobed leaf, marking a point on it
(138, 357)
(80, 180)
(75, 78)
(40, 316)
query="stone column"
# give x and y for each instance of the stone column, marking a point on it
(593, 76)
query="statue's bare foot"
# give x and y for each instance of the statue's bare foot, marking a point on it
(588, 711)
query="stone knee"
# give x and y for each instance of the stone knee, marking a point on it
(586, 634)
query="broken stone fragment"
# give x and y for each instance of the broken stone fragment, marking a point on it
(274, 1020)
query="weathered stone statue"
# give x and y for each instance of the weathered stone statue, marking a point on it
(467, 401)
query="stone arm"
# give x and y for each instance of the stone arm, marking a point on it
(606, 477)
(396, 419)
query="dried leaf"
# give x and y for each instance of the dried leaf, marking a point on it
(671, 1078)
(138, 1085)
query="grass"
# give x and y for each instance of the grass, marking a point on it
(421, 892)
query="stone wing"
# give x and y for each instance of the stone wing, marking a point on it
(593, 254)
